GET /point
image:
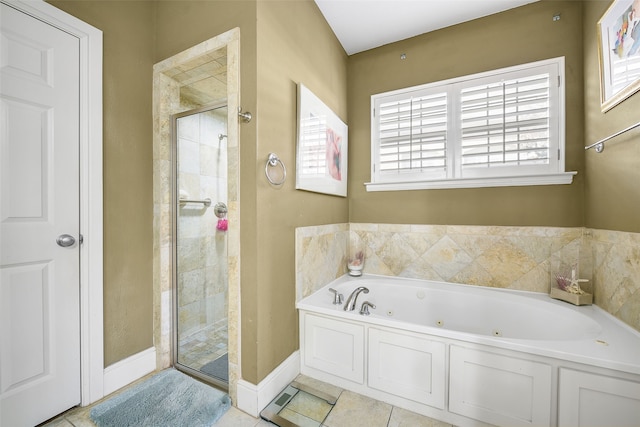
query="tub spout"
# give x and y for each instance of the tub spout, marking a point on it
(350, 305)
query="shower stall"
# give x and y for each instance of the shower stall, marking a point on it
(199, 200)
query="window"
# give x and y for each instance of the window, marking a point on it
(500, 128)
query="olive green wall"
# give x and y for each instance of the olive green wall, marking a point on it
(517, 36)
(127, 156)
(286, 42)
(612, 196)
(295, 45)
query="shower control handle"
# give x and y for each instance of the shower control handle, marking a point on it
(220, 209)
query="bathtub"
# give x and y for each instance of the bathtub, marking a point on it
(470, 355)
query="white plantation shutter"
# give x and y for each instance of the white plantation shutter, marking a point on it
(413, 135)
(507, 123)
(501, 124)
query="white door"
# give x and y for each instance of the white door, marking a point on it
(39, 202)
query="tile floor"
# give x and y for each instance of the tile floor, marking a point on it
(200, 348)
(350, 410)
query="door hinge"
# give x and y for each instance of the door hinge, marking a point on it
(558, 81)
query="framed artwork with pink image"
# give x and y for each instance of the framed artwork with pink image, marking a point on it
(619, 49)
(321, 159)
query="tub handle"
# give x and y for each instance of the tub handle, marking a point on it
(364, 310)
(337, 298)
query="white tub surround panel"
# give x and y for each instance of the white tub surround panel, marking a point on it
(499, 389)
(332, 345)
(407, 365)
(598, 400)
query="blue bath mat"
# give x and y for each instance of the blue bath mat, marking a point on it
(167, 399)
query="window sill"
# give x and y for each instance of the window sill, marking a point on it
(508, 181)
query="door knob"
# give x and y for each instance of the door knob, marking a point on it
(65, 240)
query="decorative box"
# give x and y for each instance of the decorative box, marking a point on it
(571, 269)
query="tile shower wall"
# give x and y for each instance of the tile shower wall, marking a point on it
(504, 257)
(166, 101)
(202, 263)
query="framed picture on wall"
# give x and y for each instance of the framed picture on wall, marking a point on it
(619, 51)
(321, 160)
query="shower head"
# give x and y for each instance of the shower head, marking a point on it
(221, 137)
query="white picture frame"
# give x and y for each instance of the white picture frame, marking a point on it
(322, 147)
(619, 52)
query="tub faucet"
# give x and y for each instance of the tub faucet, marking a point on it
(337, 297)
(364, 310)
(350, 305)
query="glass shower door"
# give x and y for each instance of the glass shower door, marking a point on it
(200, 243)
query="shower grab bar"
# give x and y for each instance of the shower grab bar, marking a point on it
(206, 202)
(599, 146)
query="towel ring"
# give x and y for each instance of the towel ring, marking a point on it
(272, 161)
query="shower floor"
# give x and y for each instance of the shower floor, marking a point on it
(199, 348)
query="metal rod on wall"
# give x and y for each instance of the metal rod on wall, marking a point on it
(599, 146)
(206, 202)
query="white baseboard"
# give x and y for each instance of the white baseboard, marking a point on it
(126, 371)
(252, 399)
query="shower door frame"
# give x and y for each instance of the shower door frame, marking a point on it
(175, 195)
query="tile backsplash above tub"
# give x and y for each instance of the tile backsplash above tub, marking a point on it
(616, 273)
(505, 257)
(321, 256)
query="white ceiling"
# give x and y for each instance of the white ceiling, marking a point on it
(364, 24)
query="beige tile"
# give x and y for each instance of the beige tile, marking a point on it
(474, 244)
(447, 258)
(313, 384)
(505, 262)
(395, 253)
(403, 418)
(76, 417)
(236, 418)
(58, 422)
(81, 420)
(355, 410)
(394, 228)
